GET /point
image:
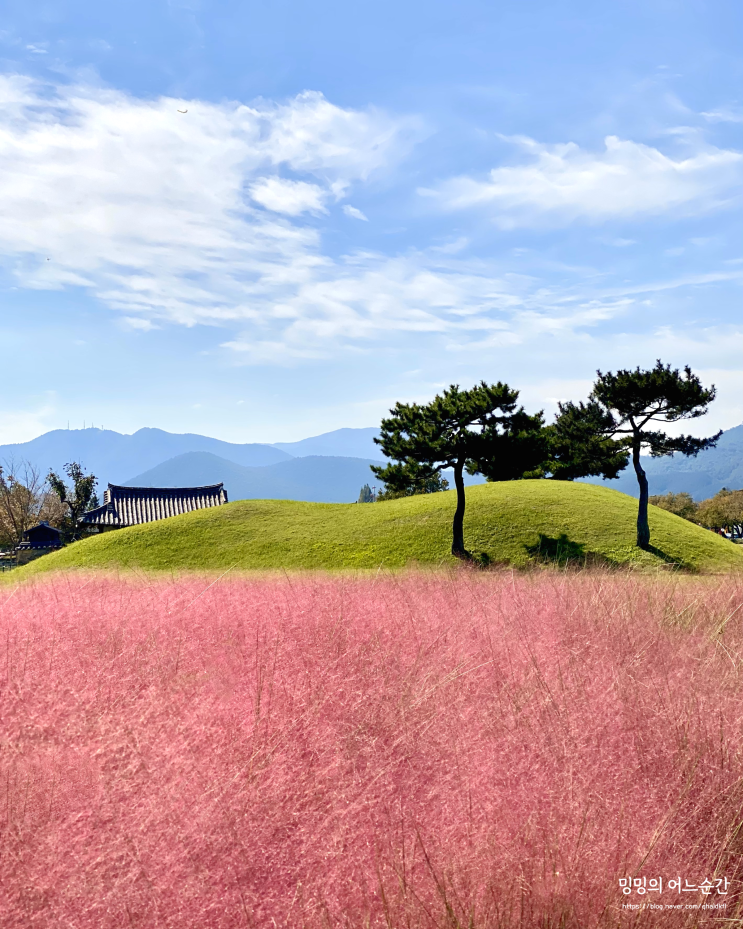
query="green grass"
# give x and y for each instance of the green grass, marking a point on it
(515, 522)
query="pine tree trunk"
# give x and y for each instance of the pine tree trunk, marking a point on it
(457, 546)
(643, 529)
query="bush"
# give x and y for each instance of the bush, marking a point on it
(681, 504)
(723, 511)
(432, 484)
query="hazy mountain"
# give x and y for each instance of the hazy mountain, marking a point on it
(702, 476)
(344, 443)
(313, 478)
(321, 479)
(114, 457)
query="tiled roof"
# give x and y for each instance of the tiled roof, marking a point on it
(131, 506)
(41, 536)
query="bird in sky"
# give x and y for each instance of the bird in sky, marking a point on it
(182, 111)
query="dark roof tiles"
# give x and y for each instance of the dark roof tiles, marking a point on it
(132, 506)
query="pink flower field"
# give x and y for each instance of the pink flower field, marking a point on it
(427, 750)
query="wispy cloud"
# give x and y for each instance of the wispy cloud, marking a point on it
(24, 425)
(564, 183)
(201, 217)
(724, 115)
(137, 323)
(291, 198)
(354, 213)
(182, 216)
(465, 304)
(190, 217)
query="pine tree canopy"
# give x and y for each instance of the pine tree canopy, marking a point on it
(636, 399)
(460, 426)
(481, 430)
(622, 417)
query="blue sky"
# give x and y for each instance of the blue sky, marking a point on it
(363, 203)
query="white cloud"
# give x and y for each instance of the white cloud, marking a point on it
(151, 209)
(724, 115)
(563, 183)
(200, 218)
(136, 323)
(24, 425)
(155, 212)
(458, 245)
(267, 352)
(289, 197)
(464, 304)
(354, 213)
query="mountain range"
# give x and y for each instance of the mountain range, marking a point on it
(114, 457)
(326, 468)
(316, 478)
(341, 443)
(701, 477)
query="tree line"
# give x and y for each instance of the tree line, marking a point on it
(722, 512)
(484, 431)
(27, 498)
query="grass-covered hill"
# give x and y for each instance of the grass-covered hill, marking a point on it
(515, 522)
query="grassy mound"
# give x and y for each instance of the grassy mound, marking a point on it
(514, 522)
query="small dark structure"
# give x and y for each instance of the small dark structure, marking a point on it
(38, 540)
(132, 506)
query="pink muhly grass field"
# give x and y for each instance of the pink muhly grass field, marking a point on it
(465, 750)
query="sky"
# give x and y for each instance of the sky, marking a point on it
(265, 221)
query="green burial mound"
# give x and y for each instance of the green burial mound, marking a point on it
(515, 522)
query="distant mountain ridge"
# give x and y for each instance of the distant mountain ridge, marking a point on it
(313, 478)
(114, 457)
(701, 477)
(124, 459)
(344, 443)
(153, 457)
(316, 479)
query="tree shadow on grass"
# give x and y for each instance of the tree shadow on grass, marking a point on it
(563, 552)
(476, 559)
(667, 559)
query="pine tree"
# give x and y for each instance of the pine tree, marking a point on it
(617, 421)
(366, 495)
(481, 430)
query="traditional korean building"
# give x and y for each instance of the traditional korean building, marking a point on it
(132, 506)
(38, 540)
